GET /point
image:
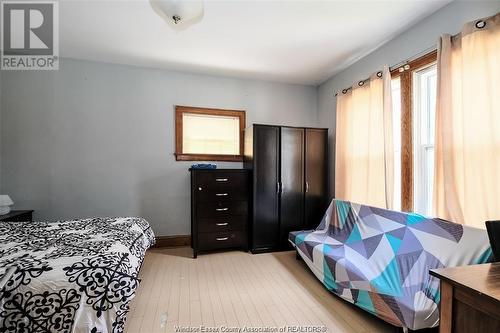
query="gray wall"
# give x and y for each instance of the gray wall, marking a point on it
(95, 139)
(420, 37)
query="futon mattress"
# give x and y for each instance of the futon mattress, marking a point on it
(380, 259)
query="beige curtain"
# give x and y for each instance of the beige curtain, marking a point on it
(467, 156)
(364, 149)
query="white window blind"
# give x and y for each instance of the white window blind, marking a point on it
(210, 134)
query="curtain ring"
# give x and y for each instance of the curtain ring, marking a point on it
(344, 91)
(360, 83)
(480, 24)
(379, 73)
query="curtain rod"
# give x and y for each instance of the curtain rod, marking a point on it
(414, 57)
(391, 68)
(480, 24)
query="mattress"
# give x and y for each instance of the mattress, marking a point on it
(379, 259)
(71, 276)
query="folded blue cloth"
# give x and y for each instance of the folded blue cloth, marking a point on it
(203, 166)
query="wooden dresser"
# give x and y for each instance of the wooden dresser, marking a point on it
(470, 298)
(219, 209)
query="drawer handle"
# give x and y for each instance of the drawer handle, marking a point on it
(221, 179)
(222, 224)
(221, 239)
(221, 209)
(221, 194)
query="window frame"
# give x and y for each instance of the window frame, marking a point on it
(405, 73)
(180, 110)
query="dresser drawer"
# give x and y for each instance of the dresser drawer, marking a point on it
(222, 181)
(233, 223)
(207, 194)
(222, 210)
(220, 240)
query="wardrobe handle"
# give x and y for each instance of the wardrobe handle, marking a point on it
(278, 187)
(221, 209)
(222, 224)
(221, 239)
(307, 187)
(221, 179)
(221, 194)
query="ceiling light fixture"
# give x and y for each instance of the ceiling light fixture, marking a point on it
(179, 12)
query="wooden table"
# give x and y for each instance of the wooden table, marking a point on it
(470, 298)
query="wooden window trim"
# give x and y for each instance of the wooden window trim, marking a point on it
(406, 81)
(180, 156)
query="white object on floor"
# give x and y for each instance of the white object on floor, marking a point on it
(5, 203)
(163, 320)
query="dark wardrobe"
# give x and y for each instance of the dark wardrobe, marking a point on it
(289, 182)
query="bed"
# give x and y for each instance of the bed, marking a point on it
(70, 276)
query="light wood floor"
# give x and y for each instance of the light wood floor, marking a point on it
(236, 289)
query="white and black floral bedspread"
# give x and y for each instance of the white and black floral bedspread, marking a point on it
(72, 276)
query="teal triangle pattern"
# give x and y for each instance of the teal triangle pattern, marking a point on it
(300, 239)
(328, 279)
(434, 294)
(365, 302)
(343, 209)
(388, 282)
(437, 299)
(486, 256)
(355, 235)
(394, 241)
(414, 218)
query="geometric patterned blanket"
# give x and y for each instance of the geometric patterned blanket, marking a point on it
(379, 259)
(71, 276)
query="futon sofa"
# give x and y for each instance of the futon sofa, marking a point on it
(380, 259)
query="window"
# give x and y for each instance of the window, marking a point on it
(414, 102)
(396, 135)
(209, 134)
(424, 106)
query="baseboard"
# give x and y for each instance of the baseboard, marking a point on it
(173, 241)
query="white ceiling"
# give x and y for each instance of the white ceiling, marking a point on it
(302, 42)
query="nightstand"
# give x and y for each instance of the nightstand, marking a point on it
(17, 216)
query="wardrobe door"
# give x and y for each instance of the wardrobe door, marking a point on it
(292, 182)
(265, 230)
(316, 164)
